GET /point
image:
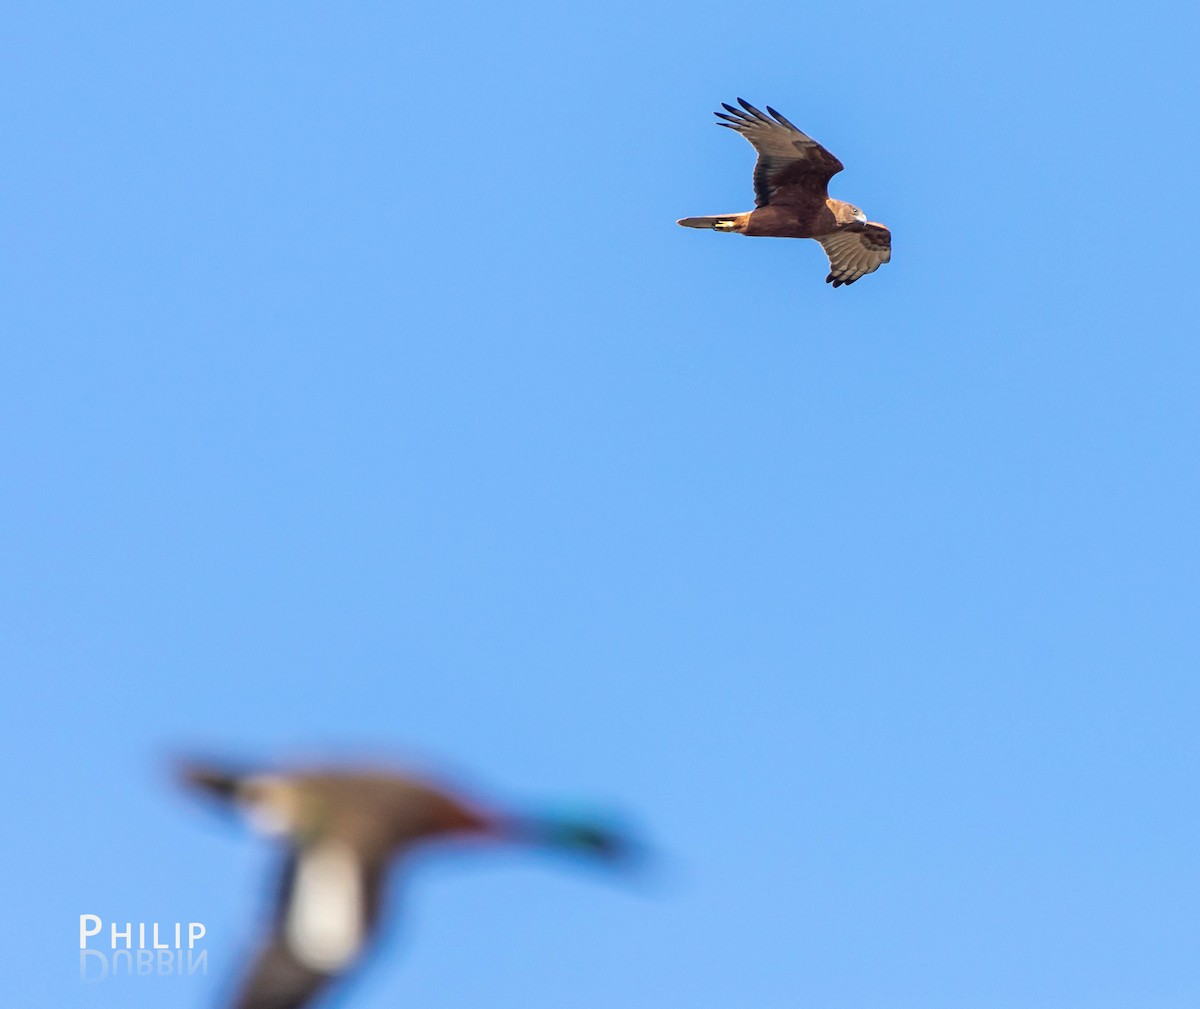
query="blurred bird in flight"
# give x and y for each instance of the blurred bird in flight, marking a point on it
(342, 829)
(791, 197)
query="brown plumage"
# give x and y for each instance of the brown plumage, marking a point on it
(343, 828)
(791, 197)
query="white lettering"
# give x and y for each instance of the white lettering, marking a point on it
(84, 931)
(100, 958)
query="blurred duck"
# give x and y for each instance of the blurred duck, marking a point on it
(342, 829)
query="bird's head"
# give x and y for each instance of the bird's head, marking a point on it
(847, 214)
(585, 835)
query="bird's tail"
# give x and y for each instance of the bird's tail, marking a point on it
(724, 222)
(217, 782)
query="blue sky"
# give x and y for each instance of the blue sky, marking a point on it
(361, 396)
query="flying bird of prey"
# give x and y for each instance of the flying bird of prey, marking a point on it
(791, 197)
(342, 830)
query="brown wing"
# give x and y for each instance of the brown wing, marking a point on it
(303, 956)
(854, 253)
(279, 981)
(792, 168)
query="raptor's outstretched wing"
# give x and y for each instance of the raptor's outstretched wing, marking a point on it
(855, 253)
(792, 168)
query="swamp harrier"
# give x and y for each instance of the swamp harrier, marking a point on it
(792, 200)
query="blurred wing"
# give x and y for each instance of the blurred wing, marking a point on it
(279, 981)
(854, 254)
(327, 910)
(792, 168)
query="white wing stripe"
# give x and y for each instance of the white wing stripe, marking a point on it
(326, 919)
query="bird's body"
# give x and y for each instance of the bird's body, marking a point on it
(778, 222)
(791, 180)
(343, 829)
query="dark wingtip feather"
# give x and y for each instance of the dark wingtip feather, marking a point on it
(783, 120)
(753, 111)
